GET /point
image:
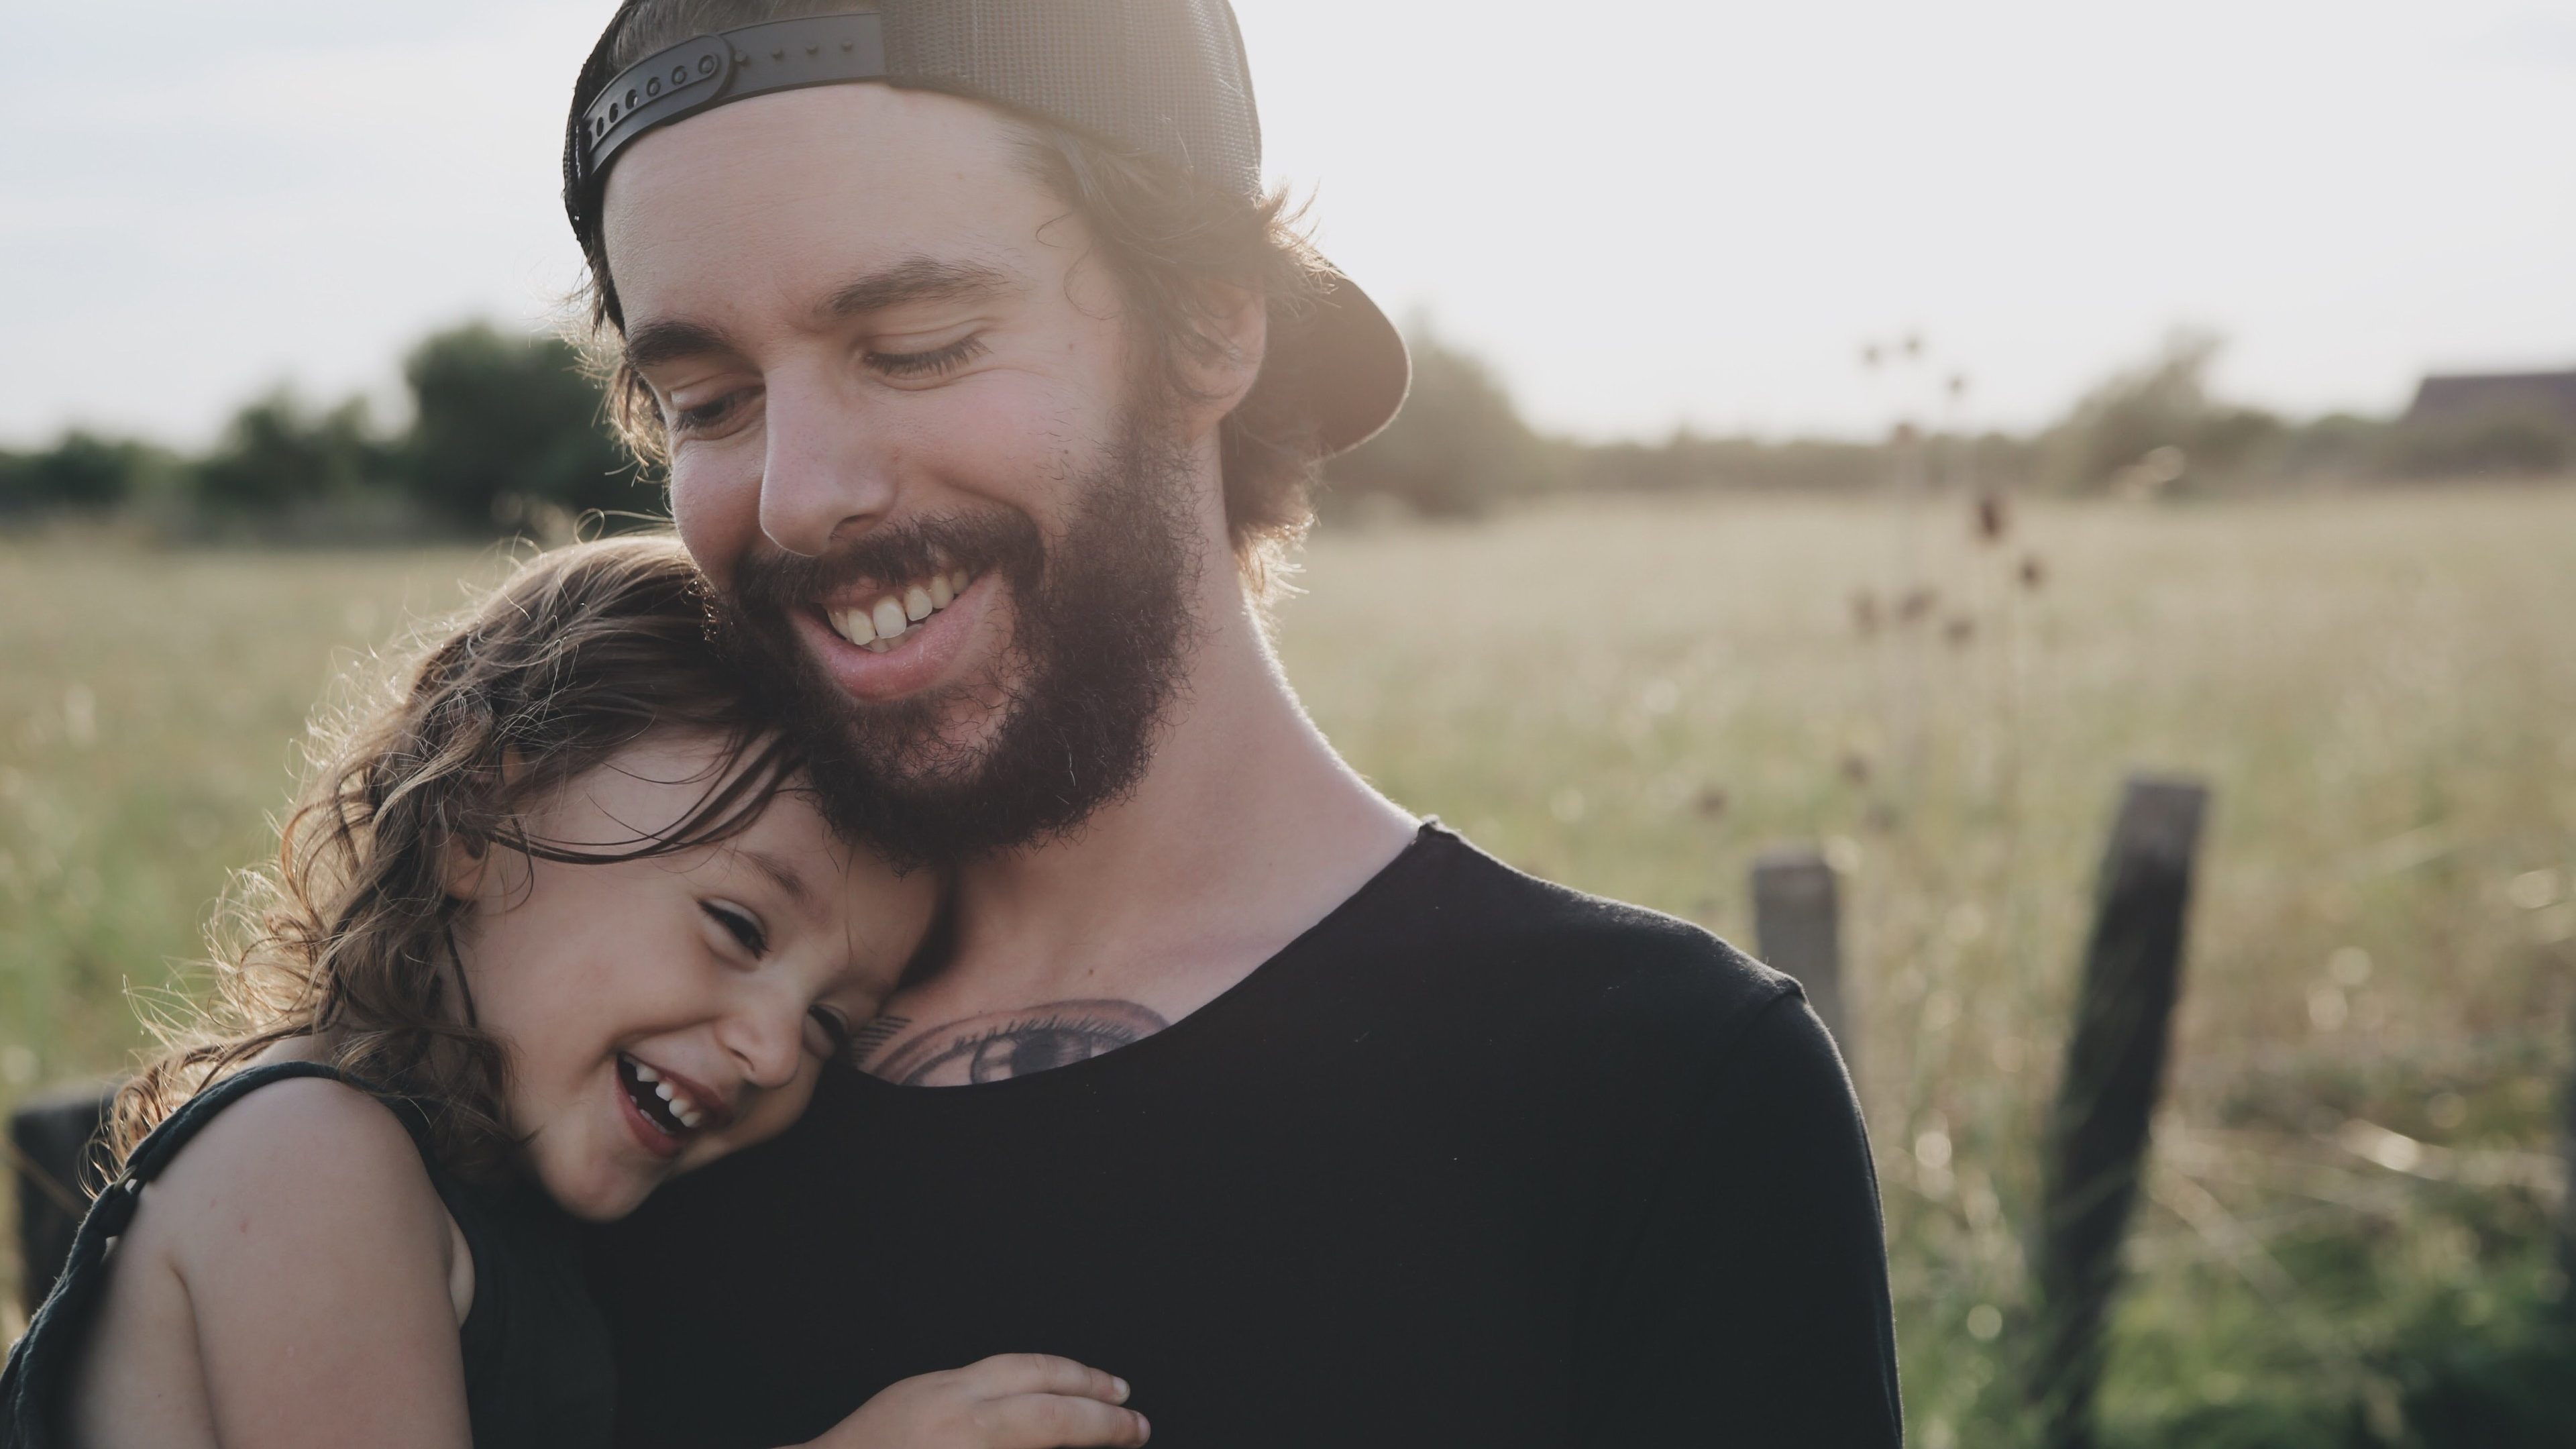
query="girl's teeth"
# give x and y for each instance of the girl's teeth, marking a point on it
(644, 1073)
(662, 1090)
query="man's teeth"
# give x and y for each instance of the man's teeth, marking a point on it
(878, 625)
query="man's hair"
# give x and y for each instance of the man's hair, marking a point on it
(1176, 246)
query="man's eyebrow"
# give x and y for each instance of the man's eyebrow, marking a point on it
(651, 344)
(915, 279)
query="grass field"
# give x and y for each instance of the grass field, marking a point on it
(2355, 1175)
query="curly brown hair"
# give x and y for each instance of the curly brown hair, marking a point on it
(1179, 247)
(346, 937)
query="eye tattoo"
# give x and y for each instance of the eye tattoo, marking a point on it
(1004, 1044)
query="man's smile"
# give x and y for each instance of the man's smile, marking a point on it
(877, 625)
(881, 641)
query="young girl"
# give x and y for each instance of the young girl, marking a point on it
(553, 925)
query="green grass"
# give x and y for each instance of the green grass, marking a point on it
(1637, 696)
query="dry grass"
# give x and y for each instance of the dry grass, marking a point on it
(2381, 690)
(1636, 696)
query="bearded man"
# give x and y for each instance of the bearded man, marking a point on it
(989, 382)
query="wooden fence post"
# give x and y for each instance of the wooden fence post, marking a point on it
(1797, 928)
(2567, 1204)
(2096, 1137)
(58, 1158)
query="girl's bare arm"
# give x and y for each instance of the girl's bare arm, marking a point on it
(322, 1274)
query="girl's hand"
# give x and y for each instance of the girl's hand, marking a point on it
(1009, 1401)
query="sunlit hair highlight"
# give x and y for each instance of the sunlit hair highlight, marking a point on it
(346, 936)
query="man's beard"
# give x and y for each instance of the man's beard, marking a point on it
(1074, 700)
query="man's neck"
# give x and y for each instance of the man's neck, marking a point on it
(1245, 830)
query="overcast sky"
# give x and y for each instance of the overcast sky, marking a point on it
(1643, 213)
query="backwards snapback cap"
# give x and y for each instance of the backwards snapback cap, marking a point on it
(1162, 78)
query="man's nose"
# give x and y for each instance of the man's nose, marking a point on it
(826, 476)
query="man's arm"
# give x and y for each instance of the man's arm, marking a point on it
(1751, 1308)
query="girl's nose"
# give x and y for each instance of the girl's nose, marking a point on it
(767, 1038)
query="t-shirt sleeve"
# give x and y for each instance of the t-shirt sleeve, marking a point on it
(1751, 1308)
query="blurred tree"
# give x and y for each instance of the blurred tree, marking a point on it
(1458, 446)
(276, 454)
(2163, 404)
(2339, 445)
(83, 472)
(504, 424)
(1687, 460)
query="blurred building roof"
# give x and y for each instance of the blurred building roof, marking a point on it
(2487, 392)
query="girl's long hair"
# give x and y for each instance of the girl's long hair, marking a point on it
(346, 937)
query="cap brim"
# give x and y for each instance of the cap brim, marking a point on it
(1349, 363)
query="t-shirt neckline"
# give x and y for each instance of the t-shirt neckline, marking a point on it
(1224, 1004)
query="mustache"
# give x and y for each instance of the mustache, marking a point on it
(773, 582)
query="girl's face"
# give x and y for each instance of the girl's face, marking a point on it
(660, 1013)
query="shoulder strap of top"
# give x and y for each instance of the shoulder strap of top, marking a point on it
(115, 1206)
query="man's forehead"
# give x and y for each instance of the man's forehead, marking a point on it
(835, 200)
(872, 150)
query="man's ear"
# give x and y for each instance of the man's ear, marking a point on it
(1237, 328)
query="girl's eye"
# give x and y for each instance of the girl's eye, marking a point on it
(738, 924)
(937, 362)
(836, 1032)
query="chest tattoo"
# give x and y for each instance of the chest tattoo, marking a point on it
(999, 1044)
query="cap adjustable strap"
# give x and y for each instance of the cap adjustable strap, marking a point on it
(781, 55)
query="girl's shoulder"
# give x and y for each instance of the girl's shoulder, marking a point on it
(298, 1133)
(280, 1239)
(300, 1171)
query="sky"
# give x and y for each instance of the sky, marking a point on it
(1644, 215)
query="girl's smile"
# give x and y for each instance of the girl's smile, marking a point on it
(662, 1012)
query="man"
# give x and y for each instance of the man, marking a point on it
(988, 383)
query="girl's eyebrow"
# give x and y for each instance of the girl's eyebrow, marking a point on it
(781, 872)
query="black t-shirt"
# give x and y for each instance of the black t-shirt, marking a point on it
(1476, 1160)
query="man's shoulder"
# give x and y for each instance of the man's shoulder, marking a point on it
(1532, 946)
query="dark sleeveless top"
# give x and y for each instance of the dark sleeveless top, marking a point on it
(537, 1367)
